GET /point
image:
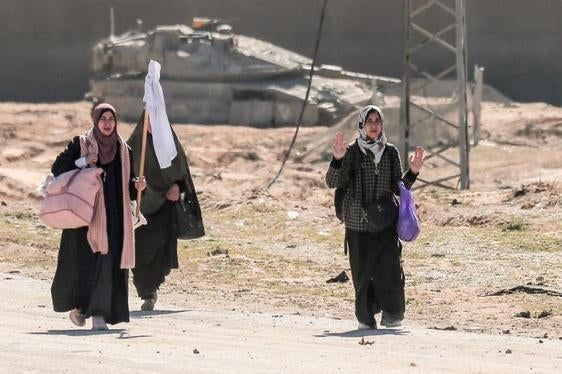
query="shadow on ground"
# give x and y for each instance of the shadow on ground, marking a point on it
(362, 333)
(146, 314)
(86, 332)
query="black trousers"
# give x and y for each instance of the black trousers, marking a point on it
(378, 279)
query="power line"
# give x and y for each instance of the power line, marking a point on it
(310, 74)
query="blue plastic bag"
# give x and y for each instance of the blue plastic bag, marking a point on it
(408, 223)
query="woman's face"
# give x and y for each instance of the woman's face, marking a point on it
(373, 126)
(106, 124)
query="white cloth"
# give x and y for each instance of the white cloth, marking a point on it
(81, 162)
(162, 137)
(42, 188)
(137, 221)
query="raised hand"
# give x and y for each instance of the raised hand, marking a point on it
(416, 160)
(339, 146)
(91, 159)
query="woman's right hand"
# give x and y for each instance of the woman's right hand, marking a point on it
(91, 159)
(173, 193)
(339, 146)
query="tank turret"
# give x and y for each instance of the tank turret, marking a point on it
(212, 75)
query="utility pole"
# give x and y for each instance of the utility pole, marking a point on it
(111, 24)
(436, 27)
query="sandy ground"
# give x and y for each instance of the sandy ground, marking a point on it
(181, 339)
(263, 304)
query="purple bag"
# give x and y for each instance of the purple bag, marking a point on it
(408, 223)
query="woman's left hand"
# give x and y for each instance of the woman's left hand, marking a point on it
(140, 184)
(173, 193)
(416, 160)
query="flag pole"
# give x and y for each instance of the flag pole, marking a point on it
(143, 154)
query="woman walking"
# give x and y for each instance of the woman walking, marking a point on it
(156, 242)
(369, 171)
(92, 281)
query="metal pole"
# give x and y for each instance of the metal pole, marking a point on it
(477, 101)
(461, 80)
(111, 23)
(404, 143)
(375, 92)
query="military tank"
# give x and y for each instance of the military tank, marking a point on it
(212, 76)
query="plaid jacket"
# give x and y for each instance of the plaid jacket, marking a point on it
(379, 181)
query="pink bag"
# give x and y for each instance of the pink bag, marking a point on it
(71, 198)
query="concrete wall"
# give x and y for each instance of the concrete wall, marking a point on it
(45, 45)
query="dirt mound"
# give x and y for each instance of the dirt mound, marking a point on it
(537, 195)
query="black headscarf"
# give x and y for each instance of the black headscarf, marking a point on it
(159, 180)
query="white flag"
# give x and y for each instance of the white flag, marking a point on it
(162, 137)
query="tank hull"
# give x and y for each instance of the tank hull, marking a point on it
(212, 76)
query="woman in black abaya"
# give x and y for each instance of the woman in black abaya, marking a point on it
(156, 242)
(93, 282)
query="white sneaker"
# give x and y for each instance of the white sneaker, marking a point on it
(77, 318)
(98, 323)
(148, 304)
(395, 323)
(390, 322)
(362, 326)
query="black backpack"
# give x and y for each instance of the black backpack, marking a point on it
(340, 191)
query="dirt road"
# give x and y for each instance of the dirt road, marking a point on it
(33, 338)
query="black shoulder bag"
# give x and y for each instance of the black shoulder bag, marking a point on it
(189, 221)
(382, 212)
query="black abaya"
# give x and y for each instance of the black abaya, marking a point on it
(91, 282)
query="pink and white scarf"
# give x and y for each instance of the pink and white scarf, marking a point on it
(97, 230)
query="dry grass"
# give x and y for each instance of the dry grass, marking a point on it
(279, 263)
(506, 232)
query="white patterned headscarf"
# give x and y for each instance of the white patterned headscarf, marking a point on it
(376, 147)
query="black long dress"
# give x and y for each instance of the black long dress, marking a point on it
(156, 250)
(156, 243)
(91, 282)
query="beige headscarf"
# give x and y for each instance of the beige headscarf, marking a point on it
(106, 148)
